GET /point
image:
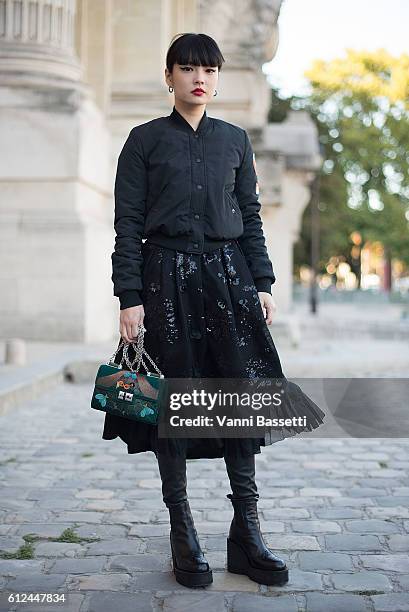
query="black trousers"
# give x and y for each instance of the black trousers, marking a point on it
(241, 472)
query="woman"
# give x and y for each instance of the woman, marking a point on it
(201, 286)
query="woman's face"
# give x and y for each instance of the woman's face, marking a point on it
(185, 78)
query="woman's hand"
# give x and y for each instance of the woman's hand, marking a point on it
(129, 321)
(268, 306)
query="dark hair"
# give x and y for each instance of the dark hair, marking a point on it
(196, 49)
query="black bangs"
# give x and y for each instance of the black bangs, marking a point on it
(196, 49)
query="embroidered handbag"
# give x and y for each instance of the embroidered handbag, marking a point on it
(127, 392)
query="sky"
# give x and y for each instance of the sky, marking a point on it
(323, 29)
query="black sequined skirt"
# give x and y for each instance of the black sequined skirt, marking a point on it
(203, 319)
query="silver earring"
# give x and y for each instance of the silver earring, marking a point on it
(170, 89)
(215, 92)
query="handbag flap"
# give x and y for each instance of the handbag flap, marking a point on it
(123, 382)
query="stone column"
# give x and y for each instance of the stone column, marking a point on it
(37, 41)
(55, 225)
(287, 157)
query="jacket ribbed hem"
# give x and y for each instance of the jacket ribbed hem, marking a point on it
(129, 298)
(263, 284)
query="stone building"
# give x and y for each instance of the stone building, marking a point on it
(75, 77)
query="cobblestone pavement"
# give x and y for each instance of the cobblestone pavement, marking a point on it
(336, 509)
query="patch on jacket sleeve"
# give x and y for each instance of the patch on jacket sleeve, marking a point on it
(255, 170)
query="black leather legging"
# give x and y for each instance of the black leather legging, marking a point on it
(241, 472)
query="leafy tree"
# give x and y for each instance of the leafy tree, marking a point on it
(361, 107)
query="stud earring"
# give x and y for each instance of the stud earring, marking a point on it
(215, 92)
(170, 89)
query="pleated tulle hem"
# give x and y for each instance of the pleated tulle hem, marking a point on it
(295, 406)
(304, 413)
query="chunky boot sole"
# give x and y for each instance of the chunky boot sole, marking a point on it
(191, 579)
(239, 563)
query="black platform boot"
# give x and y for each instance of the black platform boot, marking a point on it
(189, 563)
(247, 552)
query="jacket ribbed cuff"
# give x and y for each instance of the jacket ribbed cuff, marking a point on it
(263, 284)
(129, 298)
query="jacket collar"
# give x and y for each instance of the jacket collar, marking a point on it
(181, 122)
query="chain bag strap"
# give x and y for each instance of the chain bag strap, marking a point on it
(140, 352)
(123, 391)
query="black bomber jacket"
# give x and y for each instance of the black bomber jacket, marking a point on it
(189, 190)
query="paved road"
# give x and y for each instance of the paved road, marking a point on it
(337, 510)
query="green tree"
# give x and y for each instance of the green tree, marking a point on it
(361, 107)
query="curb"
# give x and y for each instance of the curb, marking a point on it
(41, 378)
